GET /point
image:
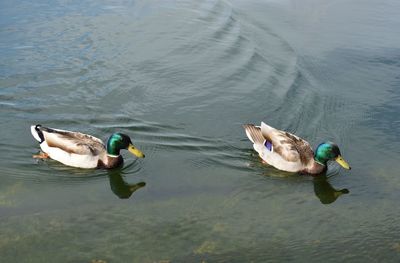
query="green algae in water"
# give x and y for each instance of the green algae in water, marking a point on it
(8, 196)
(207, 247)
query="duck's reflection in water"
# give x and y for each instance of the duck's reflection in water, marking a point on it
(121, 188)
(325, 191)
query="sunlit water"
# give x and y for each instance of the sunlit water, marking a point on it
(181, 77)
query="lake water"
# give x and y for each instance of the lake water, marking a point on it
(181, 77)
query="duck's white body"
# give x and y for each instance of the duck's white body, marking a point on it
(283, 150)
(70, 148)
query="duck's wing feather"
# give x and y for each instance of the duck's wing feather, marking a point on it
(73, 142)
(291, 147)
(254, 134)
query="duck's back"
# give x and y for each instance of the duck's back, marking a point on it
(283, 150)
(70, 148)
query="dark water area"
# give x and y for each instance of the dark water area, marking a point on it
(181, 77)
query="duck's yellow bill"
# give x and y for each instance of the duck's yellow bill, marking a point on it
(342, 162)
(135, 151)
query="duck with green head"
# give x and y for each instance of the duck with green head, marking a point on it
(82, 150)
(288, 152)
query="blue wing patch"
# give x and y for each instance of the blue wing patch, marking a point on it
(268, 145)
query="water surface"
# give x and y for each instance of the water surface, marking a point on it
(181, 77)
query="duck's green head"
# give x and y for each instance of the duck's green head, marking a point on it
(119, 141)
(329, 151)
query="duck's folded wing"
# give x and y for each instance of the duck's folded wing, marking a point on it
(254, 134)
(291, 147)
(73, 142)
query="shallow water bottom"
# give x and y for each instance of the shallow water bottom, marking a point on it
(241, 226)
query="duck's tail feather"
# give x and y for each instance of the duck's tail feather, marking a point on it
(254, 134)
(37, 133)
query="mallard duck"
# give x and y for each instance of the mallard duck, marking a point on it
(82, 150)
(288, 152)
